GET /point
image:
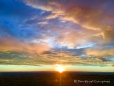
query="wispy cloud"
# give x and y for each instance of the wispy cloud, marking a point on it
(10, 44)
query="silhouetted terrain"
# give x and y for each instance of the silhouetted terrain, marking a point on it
(53, 79)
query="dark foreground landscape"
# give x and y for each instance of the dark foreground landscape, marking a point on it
(53, 79)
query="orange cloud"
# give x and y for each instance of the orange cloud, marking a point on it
(10, 44)
(98, 52)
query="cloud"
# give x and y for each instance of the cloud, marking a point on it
(99, 52)
(11, 44)
(43, 23)
(108, 34)
(50, 58)
(95, 15)
(52, 16)
(69, 38)
(112, 64)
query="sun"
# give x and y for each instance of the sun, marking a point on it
(60, 68)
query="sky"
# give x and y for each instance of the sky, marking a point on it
(38, 35)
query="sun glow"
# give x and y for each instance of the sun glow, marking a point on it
(60, 68)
